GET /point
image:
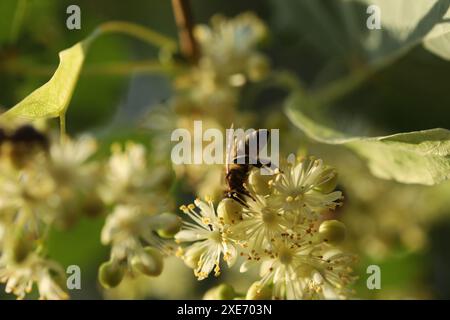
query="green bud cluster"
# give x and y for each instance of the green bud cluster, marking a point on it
(111, 274)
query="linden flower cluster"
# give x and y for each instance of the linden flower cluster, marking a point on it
(229, 59)
(210, 90)
(136, 228)
(45, 185)
(280, 229)
(42, 184)
(229, 56)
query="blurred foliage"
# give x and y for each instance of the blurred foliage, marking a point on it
(321, 42)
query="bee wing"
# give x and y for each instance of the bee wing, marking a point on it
(260, 137)
(267, 164)
(229, 150)
(263, 138)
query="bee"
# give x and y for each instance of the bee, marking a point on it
(239, 162)
(21, 142)
(28, 135)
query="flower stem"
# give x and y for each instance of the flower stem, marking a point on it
(62, 127)
(137, 31)
(183, 18)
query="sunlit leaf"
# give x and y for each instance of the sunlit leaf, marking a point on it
(52, 99)
(421, 157)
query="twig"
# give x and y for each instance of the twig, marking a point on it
(184, 21)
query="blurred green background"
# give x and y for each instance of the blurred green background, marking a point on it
(411, 94)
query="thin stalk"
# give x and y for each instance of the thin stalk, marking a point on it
(184, 20)
(137, 31)
(62, 127)
(110, 69)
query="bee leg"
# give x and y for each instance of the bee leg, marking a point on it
(268, 166)
(235, 197)
(248, 194)
(242, 159)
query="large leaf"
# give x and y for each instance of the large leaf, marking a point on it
(52, 99)
(438, 40)
(335, 33)
(409, 23)
(421, 157)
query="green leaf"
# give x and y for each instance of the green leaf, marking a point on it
(409, 23)
(420, 157)
(438, 40)
(52, 99)
(349, 52)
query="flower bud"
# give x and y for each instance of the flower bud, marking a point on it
(150, 262)
(260, 182)
(168, 225)
(110, 274)
(221, 292)
(332, 231)
(259, 292)
(330, 185)
(229, 211)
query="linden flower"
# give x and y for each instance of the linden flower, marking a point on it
(209, 237)
(129, 179)
(230, 42)
(229, 59)
(126, 227)
(19, 278)
(305, 188)
(27, 193)
(69, 162)
(261, 223)
(300, 269)
(121, 228)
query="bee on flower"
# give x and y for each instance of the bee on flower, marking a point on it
(277, 227)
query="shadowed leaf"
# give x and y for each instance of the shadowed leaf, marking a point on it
(421, 157)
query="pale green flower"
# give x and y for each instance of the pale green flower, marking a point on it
(19, 278)
(297, 188)
(209, 240)
(262, 222)
(304, 269)
(130, 180)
